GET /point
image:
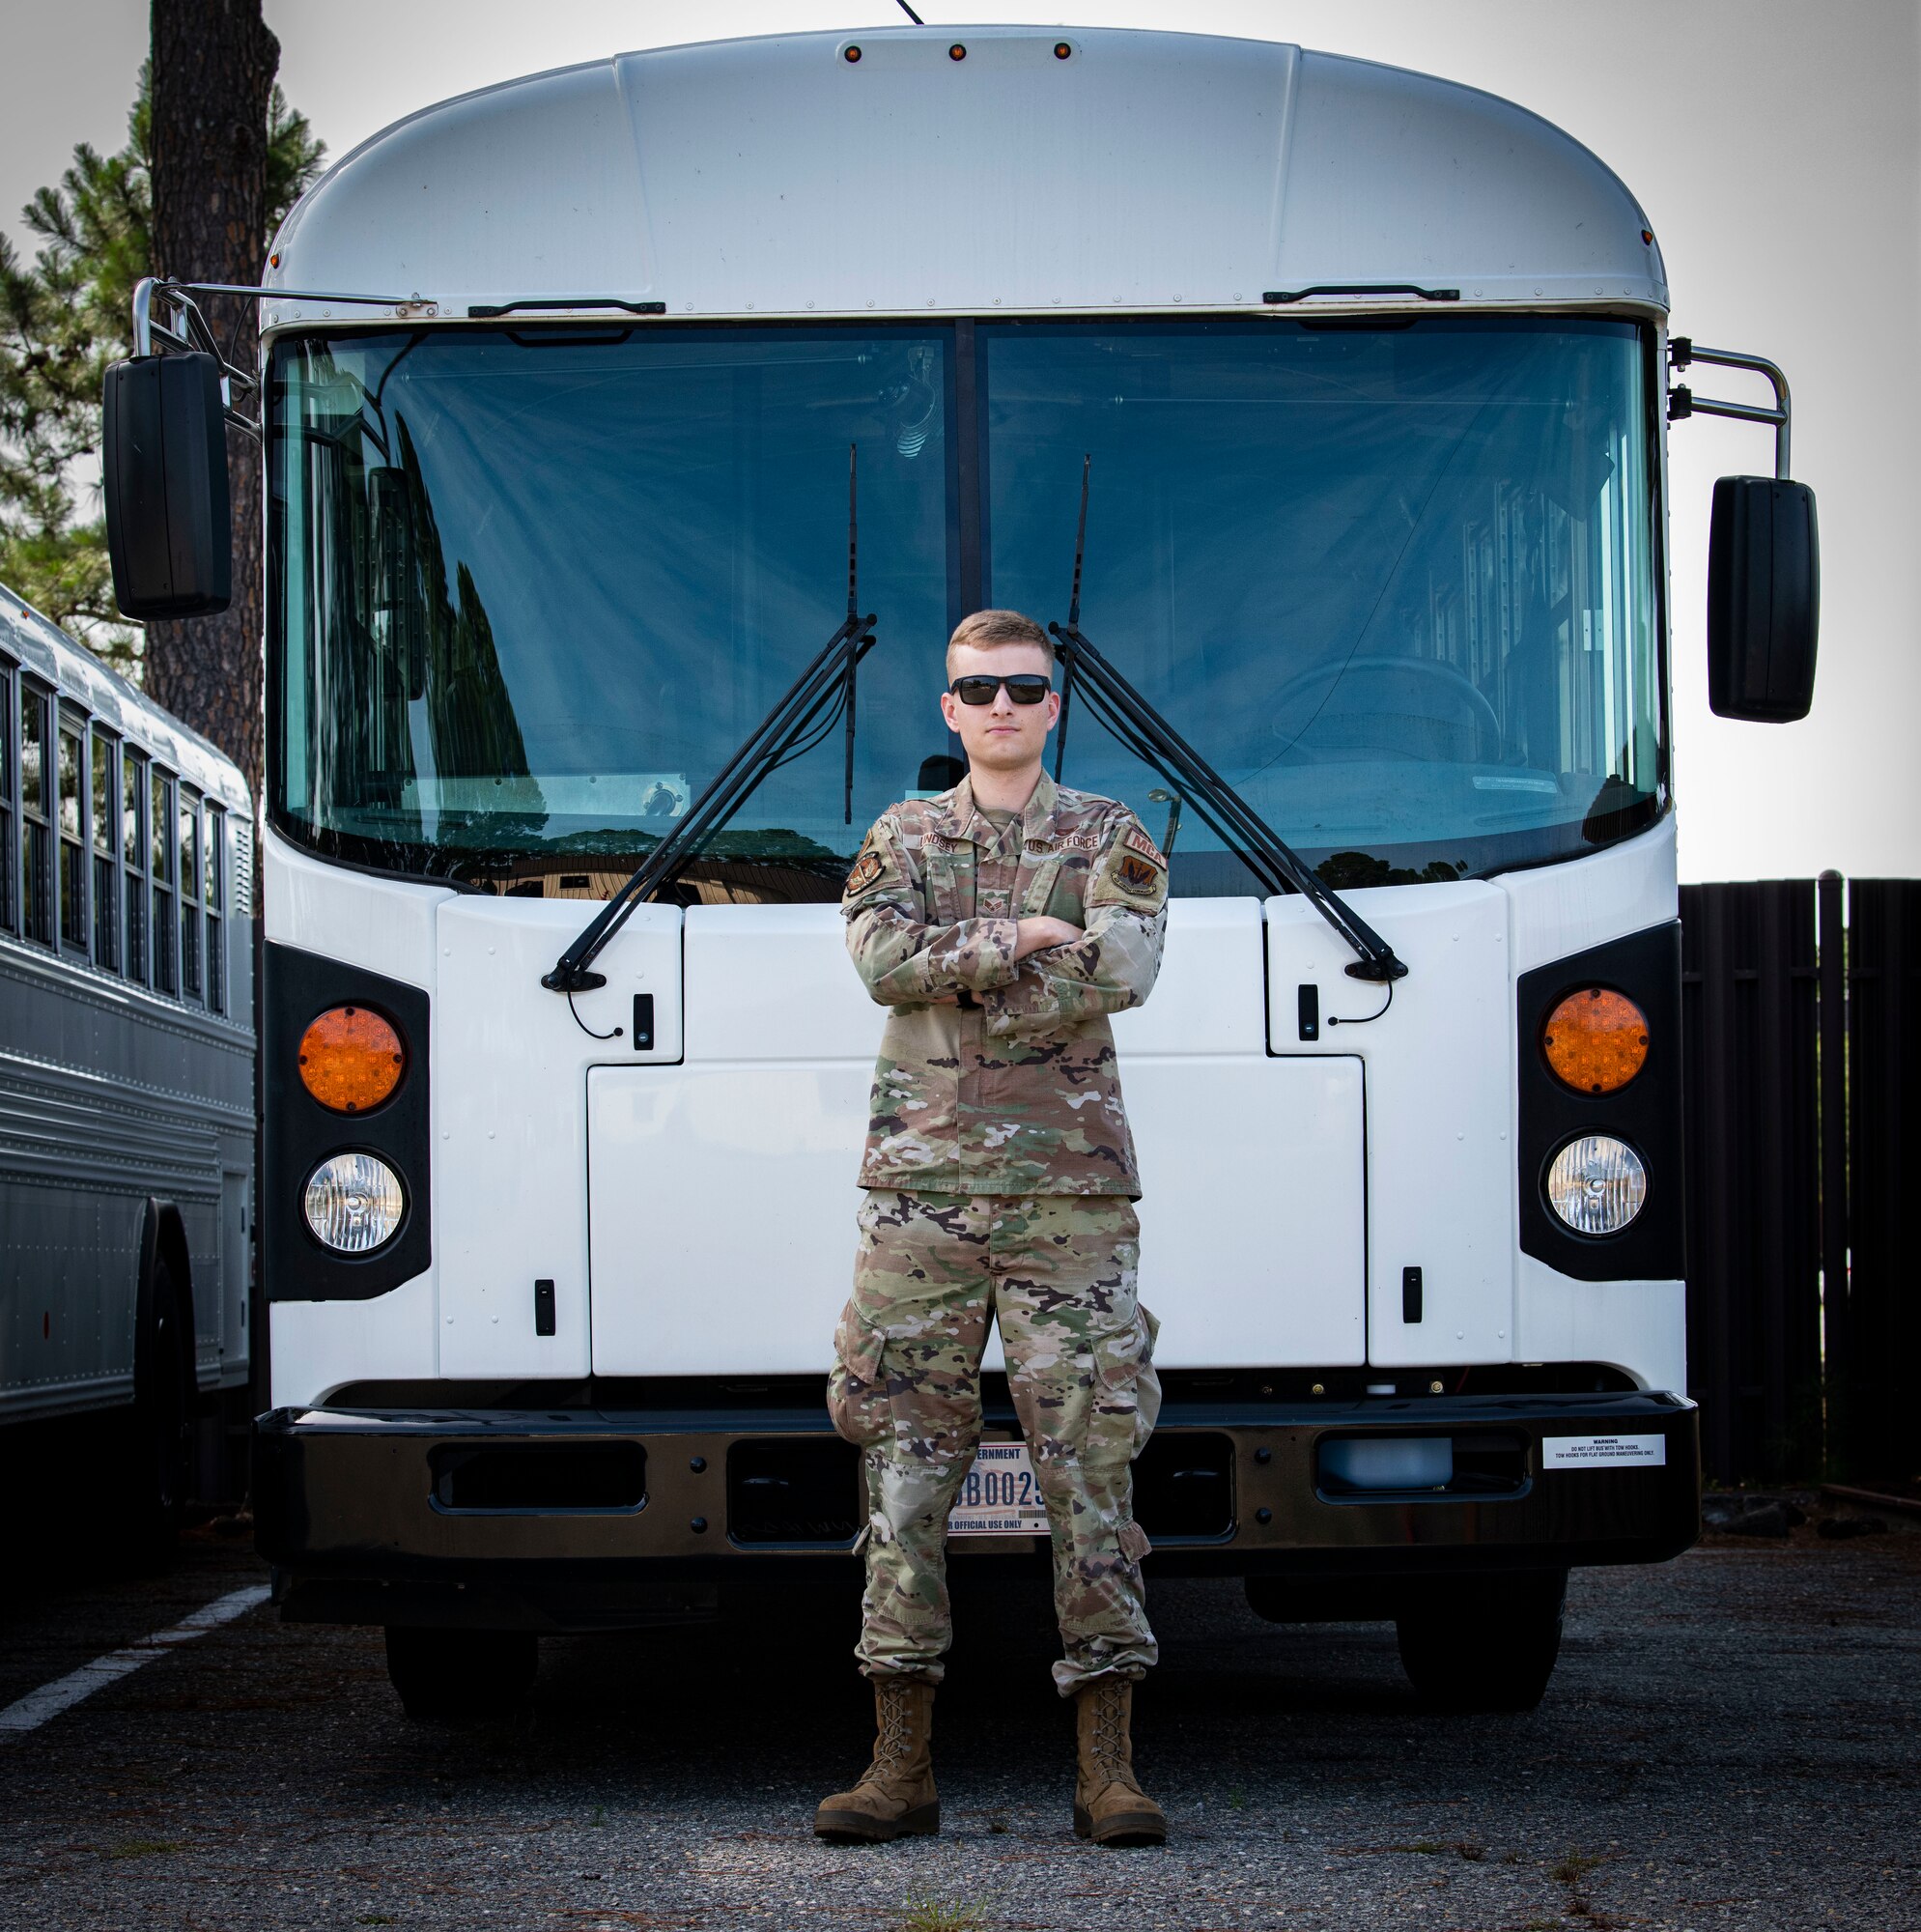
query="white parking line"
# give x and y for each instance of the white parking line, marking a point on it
(33, 1709)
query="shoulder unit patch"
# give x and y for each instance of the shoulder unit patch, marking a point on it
(1136, 876)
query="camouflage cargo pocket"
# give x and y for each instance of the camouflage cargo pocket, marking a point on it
(1131, 1403)
(857, 1400)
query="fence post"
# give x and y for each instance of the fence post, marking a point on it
(1748, 980)
(1883, 1072)
(1837, 1341)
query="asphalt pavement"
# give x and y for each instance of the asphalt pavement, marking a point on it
(1731, 1741)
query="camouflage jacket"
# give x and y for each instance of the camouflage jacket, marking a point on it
(1014, 1090)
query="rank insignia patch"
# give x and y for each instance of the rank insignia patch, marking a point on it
(1138, 877)
(867, 869)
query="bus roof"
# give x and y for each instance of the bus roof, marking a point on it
(873, 172)
(38, 645)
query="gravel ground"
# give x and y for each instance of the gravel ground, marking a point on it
(1731, 1741)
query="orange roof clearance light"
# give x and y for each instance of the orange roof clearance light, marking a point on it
(350, 1060)
(1595, 1040)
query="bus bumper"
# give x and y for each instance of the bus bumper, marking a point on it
(591, 1520)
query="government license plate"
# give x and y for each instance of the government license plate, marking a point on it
(1000, 1496)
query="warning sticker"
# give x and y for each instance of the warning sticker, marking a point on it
(1598, 1452)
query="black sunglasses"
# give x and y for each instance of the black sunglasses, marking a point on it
(1027, 688)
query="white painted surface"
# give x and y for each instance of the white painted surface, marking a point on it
(1639, 1327)
(1148, 170)
(1209, 996)
(385, 926)
(722, 1206)
(773, 982)
(1440, 1106)
(1254, 1218)
(31, 1712)
(509, 1128)
(723, 1212)
(318, 1346)
(1558, 910)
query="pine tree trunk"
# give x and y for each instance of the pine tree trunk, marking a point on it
(213, 68)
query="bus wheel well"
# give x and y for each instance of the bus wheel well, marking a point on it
(163, 1246)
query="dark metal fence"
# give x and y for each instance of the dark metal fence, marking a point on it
(1804, 1047)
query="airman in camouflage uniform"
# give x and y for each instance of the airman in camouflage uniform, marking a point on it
(1000, 1178)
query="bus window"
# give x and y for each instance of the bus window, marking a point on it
(214, 847)
(7, 916)
(160, 850)
(189, 894)
(133, 855)
(73, 765)
(106, 874)
(35, 912)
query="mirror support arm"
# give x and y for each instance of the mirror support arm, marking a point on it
(1684, 403)
(182, 328)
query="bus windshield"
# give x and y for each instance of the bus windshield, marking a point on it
(531, 587)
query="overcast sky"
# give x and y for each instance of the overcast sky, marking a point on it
(1775, 144)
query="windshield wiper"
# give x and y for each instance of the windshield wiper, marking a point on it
(782, 735)
(1142, 729)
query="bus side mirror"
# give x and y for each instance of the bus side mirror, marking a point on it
(168, 510)
(1764, 600)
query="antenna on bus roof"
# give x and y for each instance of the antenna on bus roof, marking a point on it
(1139, 729)
(910, 13)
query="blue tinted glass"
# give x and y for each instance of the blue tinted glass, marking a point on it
(1395, 584)
(536, 588)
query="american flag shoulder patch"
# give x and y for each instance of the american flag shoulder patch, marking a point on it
(867, 869)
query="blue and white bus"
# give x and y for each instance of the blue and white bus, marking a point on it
(1366, 378)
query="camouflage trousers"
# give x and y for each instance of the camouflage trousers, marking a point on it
(1058, 1273)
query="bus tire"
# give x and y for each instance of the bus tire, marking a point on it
(155, 1468)
(460, 1676)
(1489, 1646)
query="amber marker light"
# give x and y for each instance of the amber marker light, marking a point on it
(350, 1060)
(1595, 1040)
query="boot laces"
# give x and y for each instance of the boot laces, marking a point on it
(894, 1744)
(1107, 1743)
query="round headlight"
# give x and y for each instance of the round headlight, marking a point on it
(1597, 1184)
(353, 1203)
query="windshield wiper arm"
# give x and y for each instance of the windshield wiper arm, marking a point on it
(1142, 730)
(830, 679)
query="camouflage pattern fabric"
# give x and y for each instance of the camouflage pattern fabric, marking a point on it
(996, 1077)
(1058, 1273)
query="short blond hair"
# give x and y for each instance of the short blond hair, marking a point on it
(985, 629)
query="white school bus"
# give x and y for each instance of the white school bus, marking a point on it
(1322, 407)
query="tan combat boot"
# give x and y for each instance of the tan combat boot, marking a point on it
(895, 1794)
(1109, 1808)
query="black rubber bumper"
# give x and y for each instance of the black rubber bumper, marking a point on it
(601, 1519)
